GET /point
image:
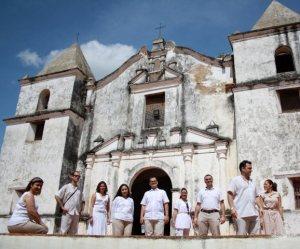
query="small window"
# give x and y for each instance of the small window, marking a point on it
(35, 131)
(155, 110)
(296, 185)
(43, 100)
(39, 131)
(284, 59)
(289, 99)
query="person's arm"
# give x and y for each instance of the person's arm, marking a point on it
(174, 216)
(31, 210)
(230, 197)
(166, 209)
(58, 198)
(259, 203)
(197, 211)
(108, 210)
(93, 200)
(223, 217)
(280, 207)
(142, 214)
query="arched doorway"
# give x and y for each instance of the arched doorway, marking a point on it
(140, 185)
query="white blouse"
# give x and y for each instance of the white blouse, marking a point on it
(123, 208)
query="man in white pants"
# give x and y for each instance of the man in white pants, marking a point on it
(207, 212)
(155, 209)
(243, 198)
(70, 200)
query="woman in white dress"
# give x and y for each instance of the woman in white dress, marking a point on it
(25, 218)
(122, 212)
(181, 215)
(99, 211)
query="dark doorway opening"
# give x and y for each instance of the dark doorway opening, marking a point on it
(140, 185)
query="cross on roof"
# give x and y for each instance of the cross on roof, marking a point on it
(159, 28)
(77, 37)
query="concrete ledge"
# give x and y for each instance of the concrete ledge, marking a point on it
(13, 241)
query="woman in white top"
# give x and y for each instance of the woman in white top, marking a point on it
(181, 215)
(25, 218)
(122, 212)
(99, 211)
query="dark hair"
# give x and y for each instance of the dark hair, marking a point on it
(32, 181)
(183, 189)
(119, 192)
(208, 175)
(243, 164)
(152, 177)
(98, 187)
(273, 184)
(73, 172)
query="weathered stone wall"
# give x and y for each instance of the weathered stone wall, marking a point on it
(270, 139)
(61, 92)
(254, 58)
(61, 242)
(22, 160)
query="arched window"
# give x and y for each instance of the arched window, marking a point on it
(284, 59)
(43, 100)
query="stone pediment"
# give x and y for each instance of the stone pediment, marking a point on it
(155, 80)
(145, 76)
(203, 137)
(107, 146)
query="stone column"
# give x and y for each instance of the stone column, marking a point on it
(187, 152)
(115, 161)
(87, 183)
(221, 150)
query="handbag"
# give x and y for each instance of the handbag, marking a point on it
(61, 211)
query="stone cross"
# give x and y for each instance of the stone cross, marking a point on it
(160, 27)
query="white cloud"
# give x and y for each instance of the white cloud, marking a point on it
(30, 58)
(104, 59)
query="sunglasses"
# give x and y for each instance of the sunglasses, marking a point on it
(78, 176)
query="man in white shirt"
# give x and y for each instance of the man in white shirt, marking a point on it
(70, 200)
(154, 210)
(207, 211)
(243, 198)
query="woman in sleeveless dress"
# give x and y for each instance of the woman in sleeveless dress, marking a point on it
(25, 217)
(181, 215)
(99, 211)
(273, 212)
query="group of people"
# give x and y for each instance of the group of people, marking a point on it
(251, 211)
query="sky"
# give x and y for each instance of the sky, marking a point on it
(110, 31)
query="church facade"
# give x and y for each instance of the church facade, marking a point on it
(169, 112)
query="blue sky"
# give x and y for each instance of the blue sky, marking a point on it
(32, 31)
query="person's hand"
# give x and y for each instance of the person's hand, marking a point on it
(195, 222)
(142, 220)
(166, 219)
(233, 213)
(261, 212)
(91, 221)
(64, 210)
(173, 222)
(222, 219)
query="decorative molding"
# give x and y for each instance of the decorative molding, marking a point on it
(157, 85)
(40, 78)
(221, 148)
(43, 115)
(264, 32)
